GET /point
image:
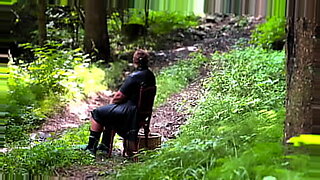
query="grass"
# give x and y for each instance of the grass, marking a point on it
(174, 78)
(43, 158)
(236, 131)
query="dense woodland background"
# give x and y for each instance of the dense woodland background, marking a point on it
(236, 79)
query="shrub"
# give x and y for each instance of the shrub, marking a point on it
(40, 88)
(270, 34)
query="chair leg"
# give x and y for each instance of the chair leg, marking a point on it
(131, 149)
(111, 143)
(125, 147)
(146, 134)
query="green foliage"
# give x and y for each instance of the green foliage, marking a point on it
(52, 65)
(64, 26)
(172, 79)
(85, 80)
(163, 22)
(40, 88)
(176, 76)
(270, 33)
(236, 130)
(114, 74)
(44, 158)
(60, 151)
(130, 27)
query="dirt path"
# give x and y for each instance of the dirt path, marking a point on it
(218, 34)
(166, 121)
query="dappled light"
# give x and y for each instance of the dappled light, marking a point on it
(159, 89)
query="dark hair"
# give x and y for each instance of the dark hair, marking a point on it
(141, 57)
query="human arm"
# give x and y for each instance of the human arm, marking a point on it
(118, 98)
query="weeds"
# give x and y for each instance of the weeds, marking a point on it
(170, 80)
(236, 130)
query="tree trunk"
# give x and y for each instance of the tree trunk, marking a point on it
(42, 4)
(303, 68)
(96, 39)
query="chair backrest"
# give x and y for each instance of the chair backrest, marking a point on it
(146, 99)
(145, 104)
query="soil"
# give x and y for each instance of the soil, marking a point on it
(217, 33)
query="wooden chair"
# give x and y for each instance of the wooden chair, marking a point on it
(144, 112)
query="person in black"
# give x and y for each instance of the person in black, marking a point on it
(120, 115)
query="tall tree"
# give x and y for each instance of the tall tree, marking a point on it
(303, 68)
(96, 33)
(42, 5)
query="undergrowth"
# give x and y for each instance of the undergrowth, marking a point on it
(44, 82)
(169, 80)
(236, 130)
(41, 88)
(270, 34)
(174, 78)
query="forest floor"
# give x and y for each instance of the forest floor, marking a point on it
(216, 33)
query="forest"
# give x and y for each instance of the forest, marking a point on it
(236, 88)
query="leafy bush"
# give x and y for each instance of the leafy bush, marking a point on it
(162, 22)
(131, 28)
(40, 88)
(236, 130)
(270, 34)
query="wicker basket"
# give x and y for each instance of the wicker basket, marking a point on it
(154, 141)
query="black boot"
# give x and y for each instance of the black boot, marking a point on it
(93, 142)
(105, 145)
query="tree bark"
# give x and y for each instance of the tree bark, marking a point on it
(96, 39)
(42, 5)
(303, 68)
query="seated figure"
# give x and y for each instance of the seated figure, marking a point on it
(120, 116)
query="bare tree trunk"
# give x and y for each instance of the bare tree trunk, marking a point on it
(42, 4)
(303, 68)
(96, 39)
